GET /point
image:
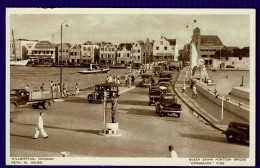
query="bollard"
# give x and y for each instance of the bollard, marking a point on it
(64, 154)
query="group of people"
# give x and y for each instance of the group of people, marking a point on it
(129, 79)
(193, 87)
(56, 88)
(113, 78)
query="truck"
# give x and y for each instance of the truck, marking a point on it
(35, 98)
(168, 105)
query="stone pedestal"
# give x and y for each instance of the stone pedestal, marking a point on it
(111, 129)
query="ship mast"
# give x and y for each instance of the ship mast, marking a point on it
(14, 45)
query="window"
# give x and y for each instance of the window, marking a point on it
(67, 50)
(118, 54)
(102, 56)
(51, 52)
(204, 56)
(108, 55)
(128, 54)
(101, 49)
(105, 49)
(71, 53)
(233, 63)
(157, 48)
(161, 42)
(113, 49)
(139, 51)
(165, 48)
(138, 57)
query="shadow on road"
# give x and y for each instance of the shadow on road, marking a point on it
(29, 137)
(76, 100)
(139, 92)
(141, 112)
(133, 102)
(67, 129)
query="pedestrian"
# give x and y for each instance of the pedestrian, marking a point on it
(52, 85)
(42, 87)
(58, 87)
(126, 79)
(64, 91)
(195, 94)
(114, 107)
(129, 81)
(216, 93)
(27, 88)
(152, 81)
(39, 127)
(173, 153)
(114, 78)
(118, 79)
(76, 89)
(183, 87)
(132, 78)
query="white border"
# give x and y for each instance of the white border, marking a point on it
(165, 11)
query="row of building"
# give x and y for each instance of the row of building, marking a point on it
(91, 52)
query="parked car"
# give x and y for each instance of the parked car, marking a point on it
(154, 94)
(168, 105)
(165, 74)
(98, 94)
(237, 131)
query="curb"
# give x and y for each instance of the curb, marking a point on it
(193, 110)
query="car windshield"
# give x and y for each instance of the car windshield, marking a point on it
(164, 84)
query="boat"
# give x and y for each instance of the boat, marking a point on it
(94, 68)
(17, 62)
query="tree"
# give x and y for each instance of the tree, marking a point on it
(223, 53)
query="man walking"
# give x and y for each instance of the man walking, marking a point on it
(195, 93)
(39, 127)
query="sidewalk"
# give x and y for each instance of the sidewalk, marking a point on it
(208, 109)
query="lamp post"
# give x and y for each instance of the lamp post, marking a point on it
(61, 86)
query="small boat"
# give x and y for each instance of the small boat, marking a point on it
(95, 69)
(19, 63)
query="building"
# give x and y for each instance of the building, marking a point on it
(124, 53)
(23, 49)
(107, 53)
(88, 52)
(44, 51)
(206, 46)
(164, 49)
(242, 63)
(65, 53)
(137, 52)
(147, 51)
(75, 53)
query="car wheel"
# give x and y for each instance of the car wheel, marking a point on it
(102, 99)
(46, 104)
(12, 107)
(178, 115)
(230, 137)
(36, 106)
(90, 101)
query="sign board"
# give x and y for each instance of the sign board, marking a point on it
(200, 61)
(224, 87)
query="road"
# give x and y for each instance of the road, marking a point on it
(74, 126)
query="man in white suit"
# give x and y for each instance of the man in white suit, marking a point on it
(39, 127)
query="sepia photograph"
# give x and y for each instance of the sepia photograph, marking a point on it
(126, 86)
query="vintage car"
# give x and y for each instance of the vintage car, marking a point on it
(165, 74)
(146, 80)
(237, 131)
(154, 94)
(98, 94)
(165, 86)
(157, 70)
(168, 105)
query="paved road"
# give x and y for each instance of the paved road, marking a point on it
(74, 126)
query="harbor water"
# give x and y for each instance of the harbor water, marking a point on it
(35, 76)
(235, 77)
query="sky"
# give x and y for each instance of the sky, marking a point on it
(233, 30)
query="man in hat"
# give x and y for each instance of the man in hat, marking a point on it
(173, 153)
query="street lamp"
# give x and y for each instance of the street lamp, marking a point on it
(61, 86)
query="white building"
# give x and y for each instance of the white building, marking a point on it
(164, 49)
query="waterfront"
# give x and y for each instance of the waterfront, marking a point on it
(35, 76)
(235, 77)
